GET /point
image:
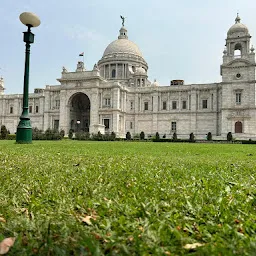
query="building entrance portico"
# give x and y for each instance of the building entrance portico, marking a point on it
(79, 105)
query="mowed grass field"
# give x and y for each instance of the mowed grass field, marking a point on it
(128, 198)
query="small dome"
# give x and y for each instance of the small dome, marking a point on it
(140, 71)
(238, 28)
(155, 83)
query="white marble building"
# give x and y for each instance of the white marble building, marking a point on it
(117, 96)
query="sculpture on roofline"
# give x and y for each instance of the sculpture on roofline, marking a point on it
(64, 70)
(95, 67)
(123, 19)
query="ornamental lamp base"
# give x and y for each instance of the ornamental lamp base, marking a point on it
(24, 132)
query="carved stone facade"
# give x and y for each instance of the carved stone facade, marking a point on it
(117, 96)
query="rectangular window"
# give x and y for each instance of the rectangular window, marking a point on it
(56, 125)
(107, 102)
(174, 105)
(238, 98)
(146, 105)
(106, 123)
(164, 105)
(11, 110)
(131, 125)
(37, 109)
(57, 104)
(204, 103)
(30, 109)
(174, 126)
(131, 105)
(184, 104)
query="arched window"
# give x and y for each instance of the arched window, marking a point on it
(113, 73)
(238, 51)
(238, 127)
(138, 82)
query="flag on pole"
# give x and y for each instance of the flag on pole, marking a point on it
(81, 54)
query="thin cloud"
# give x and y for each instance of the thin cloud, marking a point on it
(81, 33)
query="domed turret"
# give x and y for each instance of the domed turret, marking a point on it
(155, 83)
(140, 72)
(238, 28)
(120, 57)
(238, 55)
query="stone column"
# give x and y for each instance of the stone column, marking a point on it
(115, 122)
(116, 98)
(64, 119)
(47, 107)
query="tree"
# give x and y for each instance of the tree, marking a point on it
(128, 136)
(157, 136)
(174, 136)
(209, 136)
(229, 136)
(4, 132)
(142, 135)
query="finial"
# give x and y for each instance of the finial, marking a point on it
(238, 19)
(252, 49)
(225, 51)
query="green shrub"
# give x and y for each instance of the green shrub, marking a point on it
(191, 137)
(113, 136)
(157, 136)
(209, 136)
(70, 134)
(4, 133)
(99, 135)
(81, 135)
(52, 134)
(128, 136)
(174, 136)
(142, 135)
(37, 134)
(229, 136)
(11, 137)
(62, 133)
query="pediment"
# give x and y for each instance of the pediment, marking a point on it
(239, 63)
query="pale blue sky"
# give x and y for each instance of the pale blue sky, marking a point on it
(179, 39)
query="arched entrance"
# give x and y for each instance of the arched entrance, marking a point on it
(80, 112)
(238, 127)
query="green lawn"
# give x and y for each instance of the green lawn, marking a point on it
(128, 198)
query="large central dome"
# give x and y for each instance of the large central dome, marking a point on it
(121, 58)
(122, 45)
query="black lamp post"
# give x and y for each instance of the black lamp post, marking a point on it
(24, 129)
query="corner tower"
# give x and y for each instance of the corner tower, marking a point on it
(238, 56)
(238, 94)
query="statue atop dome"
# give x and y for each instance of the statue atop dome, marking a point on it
(123, 19)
